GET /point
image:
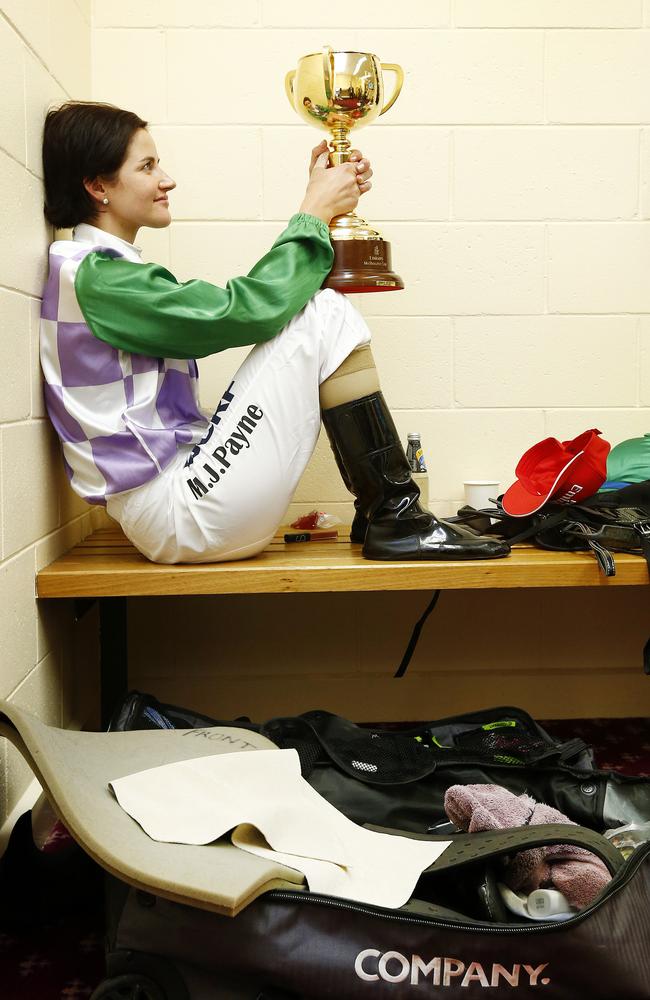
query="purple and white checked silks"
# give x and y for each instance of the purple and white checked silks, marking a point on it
(120, 416)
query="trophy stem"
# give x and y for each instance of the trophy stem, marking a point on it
(340, 145)
(349, 226)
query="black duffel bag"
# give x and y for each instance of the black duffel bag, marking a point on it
(398, 777)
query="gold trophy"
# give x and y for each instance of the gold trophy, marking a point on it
(339, 91)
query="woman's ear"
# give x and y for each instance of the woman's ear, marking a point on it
(95, 188)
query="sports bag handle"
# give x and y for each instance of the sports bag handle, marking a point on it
(470, 847)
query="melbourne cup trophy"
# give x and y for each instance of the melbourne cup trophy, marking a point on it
(338, 92)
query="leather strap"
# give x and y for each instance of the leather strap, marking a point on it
(415, 635)
(643, 531)
(538, 527)
(604, 557)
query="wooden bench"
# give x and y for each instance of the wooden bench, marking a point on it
(106, 567)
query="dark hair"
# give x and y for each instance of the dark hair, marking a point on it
(82, 139)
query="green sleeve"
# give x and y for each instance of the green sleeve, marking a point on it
(142, 308)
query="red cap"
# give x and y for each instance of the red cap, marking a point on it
(565, 472)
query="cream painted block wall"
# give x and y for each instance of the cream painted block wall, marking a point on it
(512, 177)
(506, 181)
(231, 657)
(45, 58)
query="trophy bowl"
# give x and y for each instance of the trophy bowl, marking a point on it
(338, 92)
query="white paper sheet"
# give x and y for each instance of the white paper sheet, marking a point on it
(197, 801)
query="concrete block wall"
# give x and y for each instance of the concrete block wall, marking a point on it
(512, 177)
(45, 58)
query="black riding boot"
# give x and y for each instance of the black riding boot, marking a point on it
(360, 521)
(374, 467)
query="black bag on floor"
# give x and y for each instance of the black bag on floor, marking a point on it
(143, 711)
(398, 777)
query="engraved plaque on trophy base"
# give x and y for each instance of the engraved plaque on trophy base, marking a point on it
(362, 266)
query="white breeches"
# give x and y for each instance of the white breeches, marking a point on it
(225, 497)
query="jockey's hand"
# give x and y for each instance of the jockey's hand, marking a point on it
(364, 170)
(331, 190)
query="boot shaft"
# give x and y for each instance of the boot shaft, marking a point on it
(366, 443)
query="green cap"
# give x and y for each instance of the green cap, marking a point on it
(629, 461)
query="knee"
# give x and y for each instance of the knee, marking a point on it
(327, 301)
(334, 310)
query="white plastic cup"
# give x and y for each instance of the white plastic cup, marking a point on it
(478, 492)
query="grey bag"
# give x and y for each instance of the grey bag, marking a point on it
(300, 946)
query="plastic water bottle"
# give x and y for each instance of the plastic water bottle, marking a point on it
(414, 453)
(418, 465)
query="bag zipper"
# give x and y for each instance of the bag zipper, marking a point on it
(618, 882)
(575, 772)
(568, 749)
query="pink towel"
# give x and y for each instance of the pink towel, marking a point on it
(574, 871)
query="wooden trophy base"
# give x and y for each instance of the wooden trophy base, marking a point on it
(362, 265)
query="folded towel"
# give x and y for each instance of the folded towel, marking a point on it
(574, 871)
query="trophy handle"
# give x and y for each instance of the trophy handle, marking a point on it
(399, 73)
(288, 85)
(328, 72)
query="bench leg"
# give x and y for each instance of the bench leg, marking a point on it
(113, 655)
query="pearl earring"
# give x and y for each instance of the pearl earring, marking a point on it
(104, 201)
